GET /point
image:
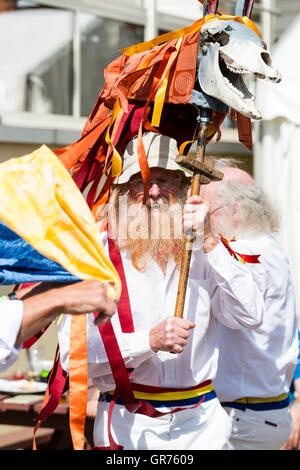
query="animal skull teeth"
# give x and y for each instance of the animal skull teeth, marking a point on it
(233, 77)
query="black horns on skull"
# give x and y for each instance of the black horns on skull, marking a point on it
(242, 7)
(210, 7)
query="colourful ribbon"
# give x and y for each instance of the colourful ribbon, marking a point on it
(162, 88)
(116, 164)
(144, 46)
(252, 259)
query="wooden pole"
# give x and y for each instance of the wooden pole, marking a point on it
(205, 119)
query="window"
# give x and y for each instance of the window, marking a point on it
(101, 39)
(36, 57)
(49, 65)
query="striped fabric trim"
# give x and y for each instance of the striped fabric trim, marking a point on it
(159, 397)
(167, 403)
(259, 404)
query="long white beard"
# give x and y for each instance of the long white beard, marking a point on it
(154, 229)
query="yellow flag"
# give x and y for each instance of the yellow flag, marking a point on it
(41, 203)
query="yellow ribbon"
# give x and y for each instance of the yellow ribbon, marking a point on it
(177, 395)
(161, 92)
(144, 46)
(116, 164)
(281, 397)
(184, 144)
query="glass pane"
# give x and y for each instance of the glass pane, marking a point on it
(101, 39)
(187, 9)
(36, 56)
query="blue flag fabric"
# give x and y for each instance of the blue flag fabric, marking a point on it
(21, 263)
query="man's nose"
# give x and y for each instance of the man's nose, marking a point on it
(154, 190)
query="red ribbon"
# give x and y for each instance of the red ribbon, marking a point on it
(252, 259)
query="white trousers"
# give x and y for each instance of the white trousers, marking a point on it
(259, 430)
(206, 427)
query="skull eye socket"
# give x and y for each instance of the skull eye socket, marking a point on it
(222, 38)
(266, 58)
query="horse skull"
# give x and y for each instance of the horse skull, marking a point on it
(229, 52)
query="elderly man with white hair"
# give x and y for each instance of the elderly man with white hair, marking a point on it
(154, 370)
(256, 366)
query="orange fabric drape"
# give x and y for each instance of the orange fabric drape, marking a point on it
(78, 379)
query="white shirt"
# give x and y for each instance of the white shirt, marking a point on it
(11, 315)
(261, 362)
(218, 288)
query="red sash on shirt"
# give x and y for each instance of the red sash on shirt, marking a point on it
(124, 388)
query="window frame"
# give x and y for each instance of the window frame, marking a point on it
(131, 11)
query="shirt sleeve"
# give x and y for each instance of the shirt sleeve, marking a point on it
(11, 315)
(236, 299)
(134, 347)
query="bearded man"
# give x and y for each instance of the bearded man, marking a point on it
(169, 362)
(255, 367)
